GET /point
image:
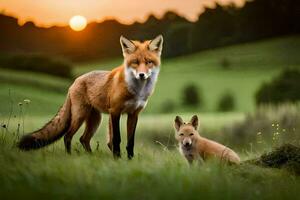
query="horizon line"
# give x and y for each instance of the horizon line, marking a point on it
(117, 19)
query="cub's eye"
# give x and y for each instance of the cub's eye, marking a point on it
(191, 134)
(149, 62)
(181, 134)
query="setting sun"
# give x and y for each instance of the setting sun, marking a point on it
(78, 23)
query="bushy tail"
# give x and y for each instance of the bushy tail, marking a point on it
(51, 132)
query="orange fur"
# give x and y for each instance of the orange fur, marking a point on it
(195, 147)
(125, 89)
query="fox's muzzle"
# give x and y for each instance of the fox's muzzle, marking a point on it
(143, 72)
(142, 75)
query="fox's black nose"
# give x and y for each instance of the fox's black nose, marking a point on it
(142, 75)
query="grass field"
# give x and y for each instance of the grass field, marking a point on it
(153, 174)
(157, 171)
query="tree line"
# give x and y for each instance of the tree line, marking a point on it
(219, 26)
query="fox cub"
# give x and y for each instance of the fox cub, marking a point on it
(195, 147)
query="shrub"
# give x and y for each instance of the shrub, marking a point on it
(225, 63)
(226, 102)
(167, 106)
(191, 95)
(286, 156)
(284, 88)
(37, 63)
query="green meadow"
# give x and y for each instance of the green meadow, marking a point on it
(158, 171)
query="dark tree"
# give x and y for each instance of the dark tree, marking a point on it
(191, 95)
(284, 88)
(226, 102)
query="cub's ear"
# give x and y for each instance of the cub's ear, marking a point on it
(178, 123)
(156, 44)
(127, 45)
(195, 122)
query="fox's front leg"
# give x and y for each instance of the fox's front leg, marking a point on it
(115, 138)
(131, 126)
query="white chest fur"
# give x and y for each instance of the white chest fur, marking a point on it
(185, 151)
(189, 154)
(134, 104)
(141, 89)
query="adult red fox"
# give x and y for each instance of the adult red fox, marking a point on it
(195, 147)
(125, 89)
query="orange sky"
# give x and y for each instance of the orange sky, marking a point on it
(58, 12)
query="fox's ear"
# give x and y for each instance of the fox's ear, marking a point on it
(127, 45)
(178, 123)
(195, 122)
(156, 44)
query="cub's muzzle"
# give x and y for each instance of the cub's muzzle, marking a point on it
(187, 142)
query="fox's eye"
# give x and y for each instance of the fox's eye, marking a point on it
(191, 134)
(135, 62)
(181, 134)
(149, 62)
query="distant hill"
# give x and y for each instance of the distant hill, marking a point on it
(216, 27)
(249, 65)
